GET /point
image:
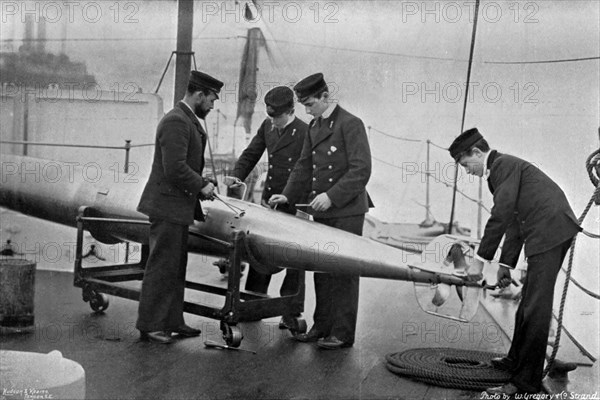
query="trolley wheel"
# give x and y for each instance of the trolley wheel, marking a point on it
(299, 326)
(233, 335)
(98, 301)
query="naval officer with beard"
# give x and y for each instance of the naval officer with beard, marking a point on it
(170, 200)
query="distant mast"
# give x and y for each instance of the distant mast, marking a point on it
(183, 61)
(248, 87)
(462, 124)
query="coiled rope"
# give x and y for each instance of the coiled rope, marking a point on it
(447, 367)
(471, 369)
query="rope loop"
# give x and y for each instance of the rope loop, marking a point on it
(448, 367)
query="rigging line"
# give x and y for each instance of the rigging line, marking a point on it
(438, 146)
(397, 137)
(111, 39)
(435, 179)
(407, 186)
(212, 159)
(462, 124)
(377, 52)
(386, 53)
(564, 60)
(407, 139)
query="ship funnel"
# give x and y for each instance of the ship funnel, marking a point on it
(41, 36)
(28, 39)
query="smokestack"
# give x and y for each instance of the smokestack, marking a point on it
(41, 44)
(28, 40)
(63, 43)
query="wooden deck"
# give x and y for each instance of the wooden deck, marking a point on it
(119, 366)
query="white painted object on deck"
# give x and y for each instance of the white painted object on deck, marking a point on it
(35, 375)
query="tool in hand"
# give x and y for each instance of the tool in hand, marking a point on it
(240, 212)
(487, 287)
(215, 345)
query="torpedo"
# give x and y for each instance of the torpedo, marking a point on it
(271, 239)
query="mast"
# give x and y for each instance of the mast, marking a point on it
(183, 61)
(462, 125)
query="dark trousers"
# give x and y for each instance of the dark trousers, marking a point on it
(163, 285)
(533, 317)
(336, 306)
(259, 282)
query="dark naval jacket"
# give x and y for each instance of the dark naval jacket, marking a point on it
(283, 152)
(336, 159)
(529, 207)
(175, 180)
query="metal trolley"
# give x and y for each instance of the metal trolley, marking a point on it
(97, 282)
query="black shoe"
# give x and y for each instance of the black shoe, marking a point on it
(562, 366)
(502, 363)
(561, 369)
(311, 336)
(187, 331)
(161, 337)
(332, 343)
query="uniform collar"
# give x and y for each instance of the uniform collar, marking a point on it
(193, 113)
(327, 113)
(290, 120)
(486, 170)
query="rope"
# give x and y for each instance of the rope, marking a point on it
(405, 139)
(471, 369)
(590, 166)
(421, 57)
(593, 163)
(436, 180)
(397, 137)
(447, 367)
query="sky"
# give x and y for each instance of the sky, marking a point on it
(401, 66)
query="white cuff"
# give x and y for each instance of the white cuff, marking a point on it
(478, 257)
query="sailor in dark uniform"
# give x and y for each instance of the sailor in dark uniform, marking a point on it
(170, 199)
(336, 165)
(282, 135)
(531, 212)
